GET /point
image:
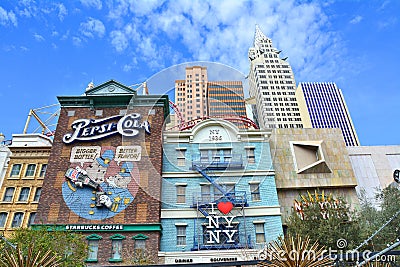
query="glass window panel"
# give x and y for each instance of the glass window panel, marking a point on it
(3, 219)
(32, 217)
(43, 170)
(93, 248)
(30, 170)
(116, 249)
(255, 192)
(24, 194)
(8, 195)
(37, 194)
(140, 244)
(16, 169)
(180, 194)
(250, 155)
(260, 233)
(205, 193)
(17, 220)
(181, 235)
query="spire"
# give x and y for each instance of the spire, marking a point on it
(258, 36)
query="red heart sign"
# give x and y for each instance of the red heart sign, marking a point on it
(225, 207)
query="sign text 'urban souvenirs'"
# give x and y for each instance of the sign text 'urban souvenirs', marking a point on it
(91, 129)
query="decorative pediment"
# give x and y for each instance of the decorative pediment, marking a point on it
(109, 88)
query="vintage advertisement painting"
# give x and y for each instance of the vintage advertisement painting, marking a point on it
(101, 181)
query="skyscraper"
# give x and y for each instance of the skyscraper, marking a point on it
(196, 97)
(190, 94)
(225, 98)
(272, 85)
(322, 105)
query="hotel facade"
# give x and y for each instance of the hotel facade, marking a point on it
(219, 198)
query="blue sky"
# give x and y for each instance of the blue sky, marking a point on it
(50, 48)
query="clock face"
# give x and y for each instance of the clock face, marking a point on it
(111, 88)
(101, 188)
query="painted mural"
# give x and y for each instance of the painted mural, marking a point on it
(101, 181)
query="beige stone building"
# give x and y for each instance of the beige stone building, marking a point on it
(272, 85)
(190, 93)
(310, 159)
(22, 185)
(373, 167)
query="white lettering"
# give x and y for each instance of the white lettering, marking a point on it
(90, 129)
(214, 220)
(229, 221)
(213, 236)
(232, 233)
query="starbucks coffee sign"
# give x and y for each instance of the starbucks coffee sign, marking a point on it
(91, 129)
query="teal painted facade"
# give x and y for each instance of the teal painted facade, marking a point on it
(272, 228)
(237, 168)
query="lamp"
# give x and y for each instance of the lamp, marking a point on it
(396, 176)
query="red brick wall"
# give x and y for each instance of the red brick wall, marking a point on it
(145, 207)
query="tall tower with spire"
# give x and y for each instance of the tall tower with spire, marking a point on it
(272, 85)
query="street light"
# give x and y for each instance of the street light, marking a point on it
(396, 176)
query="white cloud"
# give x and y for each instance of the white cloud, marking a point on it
(119, 40)
(38, 37)
(27, 8)
(223, 31)
(127, 68)
(387, 22)
(62, 11)
(92, 3)
(356, 19)
(76, 41)
(7, 17)
(92, 27)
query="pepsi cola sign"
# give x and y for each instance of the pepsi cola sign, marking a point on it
(92, 129)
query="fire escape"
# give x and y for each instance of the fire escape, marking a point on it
(211, 168)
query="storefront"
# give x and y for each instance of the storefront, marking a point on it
(104, 172)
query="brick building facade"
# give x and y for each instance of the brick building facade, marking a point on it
(104, 172)
(22, 185)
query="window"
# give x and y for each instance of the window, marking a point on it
(181, 157)
(181, 194)
(3, 219)
(37, 194)
(24, 194)
(16, 169)
(43, 170)
(31, 219)
(30, 170)
(116, 248)
(181, 235)
(255, 192)
(250, 155)
(205, 193)
(17, 220)
(93, 247)
(140, 244)
(8, 195)
(260, 233)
